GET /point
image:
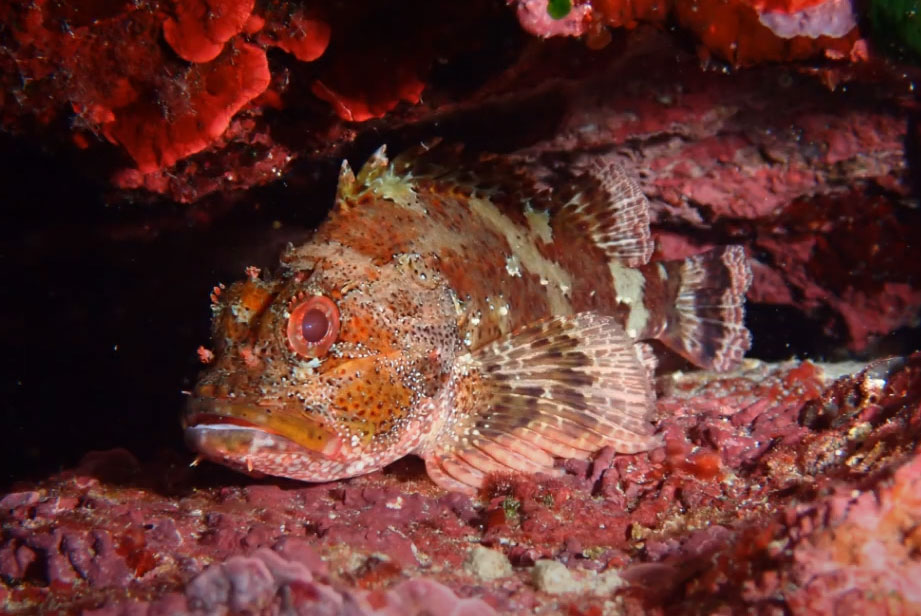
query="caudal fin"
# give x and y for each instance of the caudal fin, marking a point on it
(705, 323)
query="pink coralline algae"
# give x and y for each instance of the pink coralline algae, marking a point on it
(272, 582)
(792, 486)
(536, 19)
(834, 18)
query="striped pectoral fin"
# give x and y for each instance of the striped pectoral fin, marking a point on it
(705, 319)
(563, 387)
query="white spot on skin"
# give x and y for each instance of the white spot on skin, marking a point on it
(539, 223)
(512, 266)
(356, 467)
(307, 370)
(629, 285)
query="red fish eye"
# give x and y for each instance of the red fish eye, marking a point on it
(313, 326)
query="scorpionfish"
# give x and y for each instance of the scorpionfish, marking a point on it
(484, 313)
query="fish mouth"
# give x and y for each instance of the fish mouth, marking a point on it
(238, 432)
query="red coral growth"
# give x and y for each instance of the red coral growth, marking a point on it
(197, 116)
(627, 13)
(784, 6)
(303, 37)
(362, 106)
(131, 91)
(201, 27)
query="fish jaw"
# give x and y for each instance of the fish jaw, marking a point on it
(266, 438)
(241, 435)
(257, 452)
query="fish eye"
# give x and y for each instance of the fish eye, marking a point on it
(313, 326)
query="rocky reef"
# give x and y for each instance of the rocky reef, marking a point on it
(786, 485)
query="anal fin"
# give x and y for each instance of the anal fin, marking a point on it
(567, 386)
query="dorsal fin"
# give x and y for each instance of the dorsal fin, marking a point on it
(352, 186)
(601, 199)
(592, 193)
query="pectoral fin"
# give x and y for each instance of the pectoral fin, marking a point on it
(562, 387)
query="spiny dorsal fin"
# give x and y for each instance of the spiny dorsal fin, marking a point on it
(607, 204)
(592, 193)
(566, 387)
(352, 186)
(348, 183)
(374, 167)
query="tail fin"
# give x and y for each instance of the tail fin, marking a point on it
(705, 322)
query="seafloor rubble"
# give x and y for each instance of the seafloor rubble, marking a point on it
(788, 126)
(780, 488)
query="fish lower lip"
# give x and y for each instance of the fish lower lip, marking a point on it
(227, 425)
(208, 419)
(242, 447)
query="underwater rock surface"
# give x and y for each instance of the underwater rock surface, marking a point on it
(794, 486)
(197, 101)
(808, 164)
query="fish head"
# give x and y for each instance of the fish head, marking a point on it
(329, 370)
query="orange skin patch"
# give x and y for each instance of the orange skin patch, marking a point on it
(376, 400)
(250, 298)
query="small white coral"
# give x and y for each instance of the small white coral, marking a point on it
(487, 564)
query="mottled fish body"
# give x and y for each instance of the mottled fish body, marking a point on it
(483, 314)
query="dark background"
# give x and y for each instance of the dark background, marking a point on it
(104, 306)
